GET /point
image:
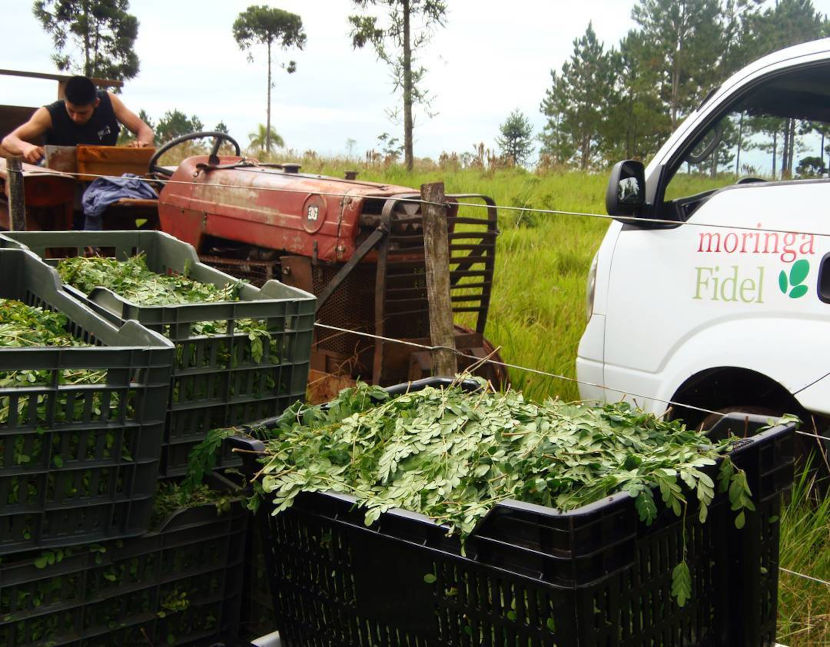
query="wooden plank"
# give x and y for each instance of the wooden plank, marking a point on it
(149, 203)
(436, 256)
(62, 78)
(61, 158)
(94, 161)
(12, 116)
(53, 194)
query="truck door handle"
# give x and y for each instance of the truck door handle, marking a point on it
(824, 279)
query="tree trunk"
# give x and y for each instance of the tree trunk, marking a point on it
(407, 89)
(87, 67)
(791, 156)
(774, 152)
(268, 111)
(740, 143)
(675, 89)
(586, 152)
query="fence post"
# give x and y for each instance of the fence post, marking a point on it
(437, 261)
(17, 204)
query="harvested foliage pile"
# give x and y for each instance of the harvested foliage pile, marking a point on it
(23, 326)
(452, 455)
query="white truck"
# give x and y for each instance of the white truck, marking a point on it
(711, 287)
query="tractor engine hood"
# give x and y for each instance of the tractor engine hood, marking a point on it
(271, 206)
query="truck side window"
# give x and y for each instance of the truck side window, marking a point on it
(778, 130)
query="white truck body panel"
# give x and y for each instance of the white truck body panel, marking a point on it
(736, 284)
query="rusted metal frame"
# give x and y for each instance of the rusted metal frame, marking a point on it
(365, 247)
(489, 260)
(402, 313)
(380, 289)
(464, 298)
(481, 287)
(405, 294)
(478, 254)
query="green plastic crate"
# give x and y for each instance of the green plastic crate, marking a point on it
(180, 585)
(78, 463)
(216, 382)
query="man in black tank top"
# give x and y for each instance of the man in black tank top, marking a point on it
(84, 116)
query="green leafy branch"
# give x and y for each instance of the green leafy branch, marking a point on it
(453, 455)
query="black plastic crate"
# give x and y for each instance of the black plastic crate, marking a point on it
(78, 463)
(530, 575)
(257, 616)
(216, 380)
(180, 585)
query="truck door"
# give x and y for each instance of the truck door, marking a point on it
(740, 277)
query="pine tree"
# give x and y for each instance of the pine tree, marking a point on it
(396, 42)
(684, 45)
(575, 105)
(635, 123)
(174, 124)
(516, 143)
(101, 30)
(270, 27)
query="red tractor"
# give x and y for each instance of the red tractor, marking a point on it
(358, 246)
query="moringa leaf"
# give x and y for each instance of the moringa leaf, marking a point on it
(681, 583)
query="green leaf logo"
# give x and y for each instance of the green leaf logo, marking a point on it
(794, 282)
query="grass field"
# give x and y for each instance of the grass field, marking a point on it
(537, 311)
(537, 317)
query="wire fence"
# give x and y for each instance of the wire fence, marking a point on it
(416, 200)
(478, 359)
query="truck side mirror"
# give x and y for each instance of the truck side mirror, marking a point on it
(626, 192)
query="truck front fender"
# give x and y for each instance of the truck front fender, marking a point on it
(784, 357)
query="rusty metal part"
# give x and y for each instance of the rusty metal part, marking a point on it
(364, 245)
(263, 207)
(324, 387)
(473, 352)
(49, 197)
(381, 290)
(360, 253)
(254, 272)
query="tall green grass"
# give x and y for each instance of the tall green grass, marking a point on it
(804, 605)
(537, 316)
(537, 311)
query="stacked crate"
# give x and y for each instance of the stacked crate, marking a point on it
(179, 584)
(217, 380)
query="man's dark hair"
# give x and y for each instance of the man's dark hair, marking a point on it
(80, 91)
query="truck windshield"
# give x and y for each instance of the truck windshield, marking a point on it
(779, 129)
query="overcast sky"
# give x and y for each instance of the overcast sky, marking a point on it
(492, 57)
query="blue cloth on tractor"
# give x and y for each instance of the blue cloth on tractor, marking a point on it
(105, 190)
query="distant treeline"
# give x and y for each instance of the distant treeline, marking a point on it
(609, 104)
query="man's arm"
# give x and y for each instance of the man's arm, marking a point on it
(143, 133)
(16, 141)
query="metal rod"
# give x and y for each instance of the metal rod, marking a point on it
(17, 202)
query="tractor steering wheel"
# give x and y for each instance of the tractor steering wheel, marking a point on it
(218, 138)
